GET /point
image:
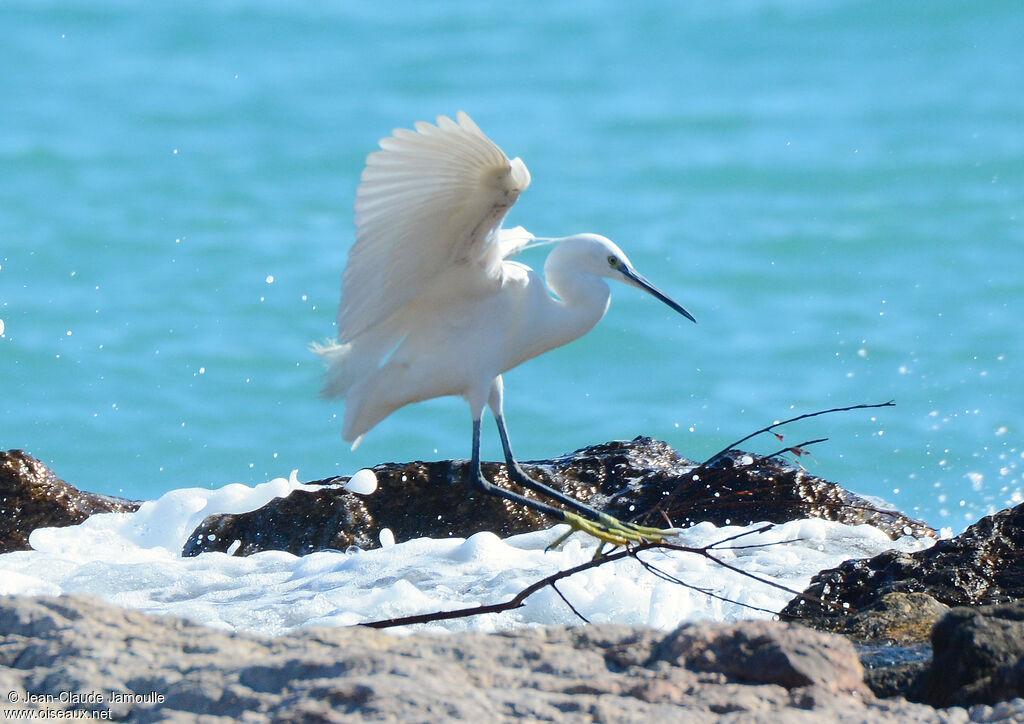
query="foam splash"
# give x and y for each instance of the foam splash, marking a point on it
(363, 482)
(134, 560)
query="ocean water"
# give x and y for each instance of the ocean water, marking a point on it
(834, 189)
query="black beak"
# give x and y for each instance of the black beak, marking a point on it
(638, 280)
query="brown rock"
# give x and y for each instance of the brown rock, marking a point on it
(167, 669)
(982, 565)
(763, 652)
(32, 496)
(896, 618)
(643, 480)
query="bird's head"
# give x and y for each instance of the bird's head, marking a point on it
(595, 254)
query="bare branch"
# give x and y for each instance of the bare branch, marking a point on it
(513, 603)
(797, 449)
(752, 576)
(720, 453)
(705, 473)
(519, 599)
(616, 554)
(763, 545)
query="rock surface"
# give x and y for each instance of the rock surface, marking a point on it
(751, 671)
(905, 599)
(898, 618)
(978, 657)
(32, 496)
(983, 565)
(641, 479)
(895, 671)
(166, 669)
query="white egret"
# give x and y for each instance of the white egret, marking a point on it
(432, 306)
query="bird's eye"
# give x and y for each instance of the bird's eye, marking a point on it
(613, 261)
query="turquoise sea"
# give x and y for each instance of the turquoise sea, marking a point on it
(834, 189)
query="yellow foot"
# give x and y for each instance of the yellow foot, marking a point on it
(611, 530)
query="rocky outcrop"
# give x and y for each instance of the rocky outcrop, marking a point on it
(975, 657)
(904, 599)
(740, 488)
(643, 480)
(978, 657)
(32, 496)
(72, 653)
(983, 565)
(898, 618)
(758, 671)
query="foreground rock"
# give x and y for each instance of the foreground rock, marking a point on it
(643, 480)
(983, 565)
(906, 599)
(978, 657)
(32, 496)
(106, 659)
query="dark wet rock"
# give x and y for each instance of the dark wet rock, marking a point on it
(983, 565)
(902, 597)
(978, 657)
(896, 680)
(740, 488)
(898, 618)
(284, 525)
(643, 480)
(32, 496)
(894, 670)
(413, 500)
(167, 669)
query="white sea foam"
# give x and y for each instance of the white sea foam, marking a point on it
(363, 482)
(134, 560)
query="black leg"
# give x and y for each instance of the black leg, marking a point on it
(601, 525)
(476, 479)
(517, 475)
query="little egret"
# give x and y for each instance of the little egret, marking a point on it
(432, 306)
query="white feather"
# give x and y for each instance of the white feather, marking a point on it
(429, 199)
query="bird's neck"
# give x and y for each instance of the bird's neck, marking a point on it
(582, 300)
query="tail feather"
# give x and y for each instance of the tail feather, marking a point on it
(348, 365)
(343, 370)
(354, 360)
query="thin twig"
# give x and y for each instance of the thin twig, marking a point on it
(796, 449)
(707, 592)
(742, 534)
(569, 603)
(665, 576)
(759, 579)
(747, 574)
(703, 471)
(720, 453)
(763, 545)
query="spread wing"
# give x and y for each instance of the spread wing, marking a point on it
(429, 199)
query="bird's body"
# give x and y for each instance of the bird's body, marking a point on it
(431, 303)
(448, 342)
